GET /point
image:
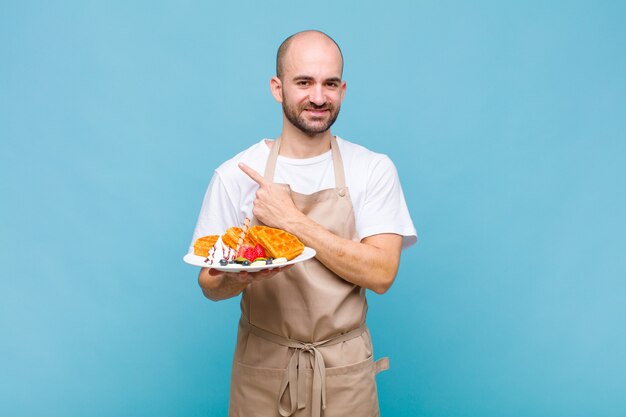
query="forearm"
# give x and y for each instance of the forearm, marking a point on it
(372, 263)
(219, 287)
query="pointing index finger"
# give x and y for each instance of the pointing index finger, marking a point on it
(255, 176)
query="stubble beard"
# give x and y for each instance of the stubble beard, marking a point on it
(296, 118)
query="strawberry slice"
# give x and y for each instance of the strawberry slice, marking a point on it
(242, 251)
(249, 253)
(259, 252)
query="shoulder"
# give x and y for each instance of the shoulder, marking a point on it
(359, 152)
(362, 161)
(255, 156)
(233, 182)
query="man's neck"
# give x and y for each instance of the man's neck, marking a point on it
(296, 144)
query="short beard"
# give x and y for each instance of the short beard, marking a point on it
(299, 122)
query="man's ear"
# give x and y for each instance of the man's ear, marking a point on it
(276, 87)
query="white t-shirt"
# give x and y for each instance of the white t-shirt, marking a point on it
(371, 178)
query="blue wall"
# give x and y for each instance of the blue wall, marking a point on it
(506, 123)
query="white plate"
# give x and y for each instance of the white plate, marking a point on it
(196, 260)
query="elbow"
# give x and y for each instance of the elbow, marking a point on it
(384, 283)
(209, 295)
(381, 288)
(386, 272)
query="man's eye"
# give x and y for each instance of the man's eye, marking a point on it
(303, 83)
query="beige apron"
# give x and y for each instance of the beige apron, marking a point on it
(303, 348)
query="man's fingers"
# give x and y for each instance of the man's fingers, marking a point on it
(256, 177)
(215, 272)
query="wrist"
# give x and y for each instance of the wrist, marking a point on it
(294, 224)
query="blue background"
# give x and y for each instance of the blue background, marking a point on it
(506, 121)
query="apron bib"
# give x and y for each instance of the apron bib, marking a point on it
(303, 348)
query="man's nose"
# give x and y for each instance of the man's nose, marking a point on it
(316, 95)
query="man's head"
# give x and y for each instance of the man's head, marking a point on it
(283, 48)
(308, 82)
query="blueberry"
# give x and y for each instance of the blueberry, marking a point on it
(269, 261)
(223, 262)
(246, 263)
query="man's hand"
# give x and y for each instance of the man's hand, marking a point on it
(217, 285)
(245, 277)
(273, 204)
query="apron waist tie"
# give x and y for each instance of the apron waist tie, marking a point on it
(294, 379)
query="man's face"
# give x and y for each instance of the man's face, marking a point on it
(312, 89)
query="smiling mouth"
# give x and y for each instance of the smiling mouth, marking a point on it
(316, 111)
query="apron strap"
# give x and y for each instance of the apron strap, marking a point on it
(340, 176)
(294, 378)
(270, 166)
(382, 364)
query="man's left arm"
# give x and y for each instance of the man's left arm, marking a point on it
(371, 263)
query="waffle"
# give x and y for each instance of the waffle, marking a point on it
(203, 245)
(231, 237)
(276, 242)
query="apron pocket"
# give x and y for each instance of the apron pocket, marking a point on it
(351, 390)
(254, 391)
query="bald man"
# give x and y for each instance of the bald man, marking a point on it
(303, 347)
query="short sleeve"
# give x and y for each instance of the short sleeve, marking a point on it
(384, 209)
(217, 212)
